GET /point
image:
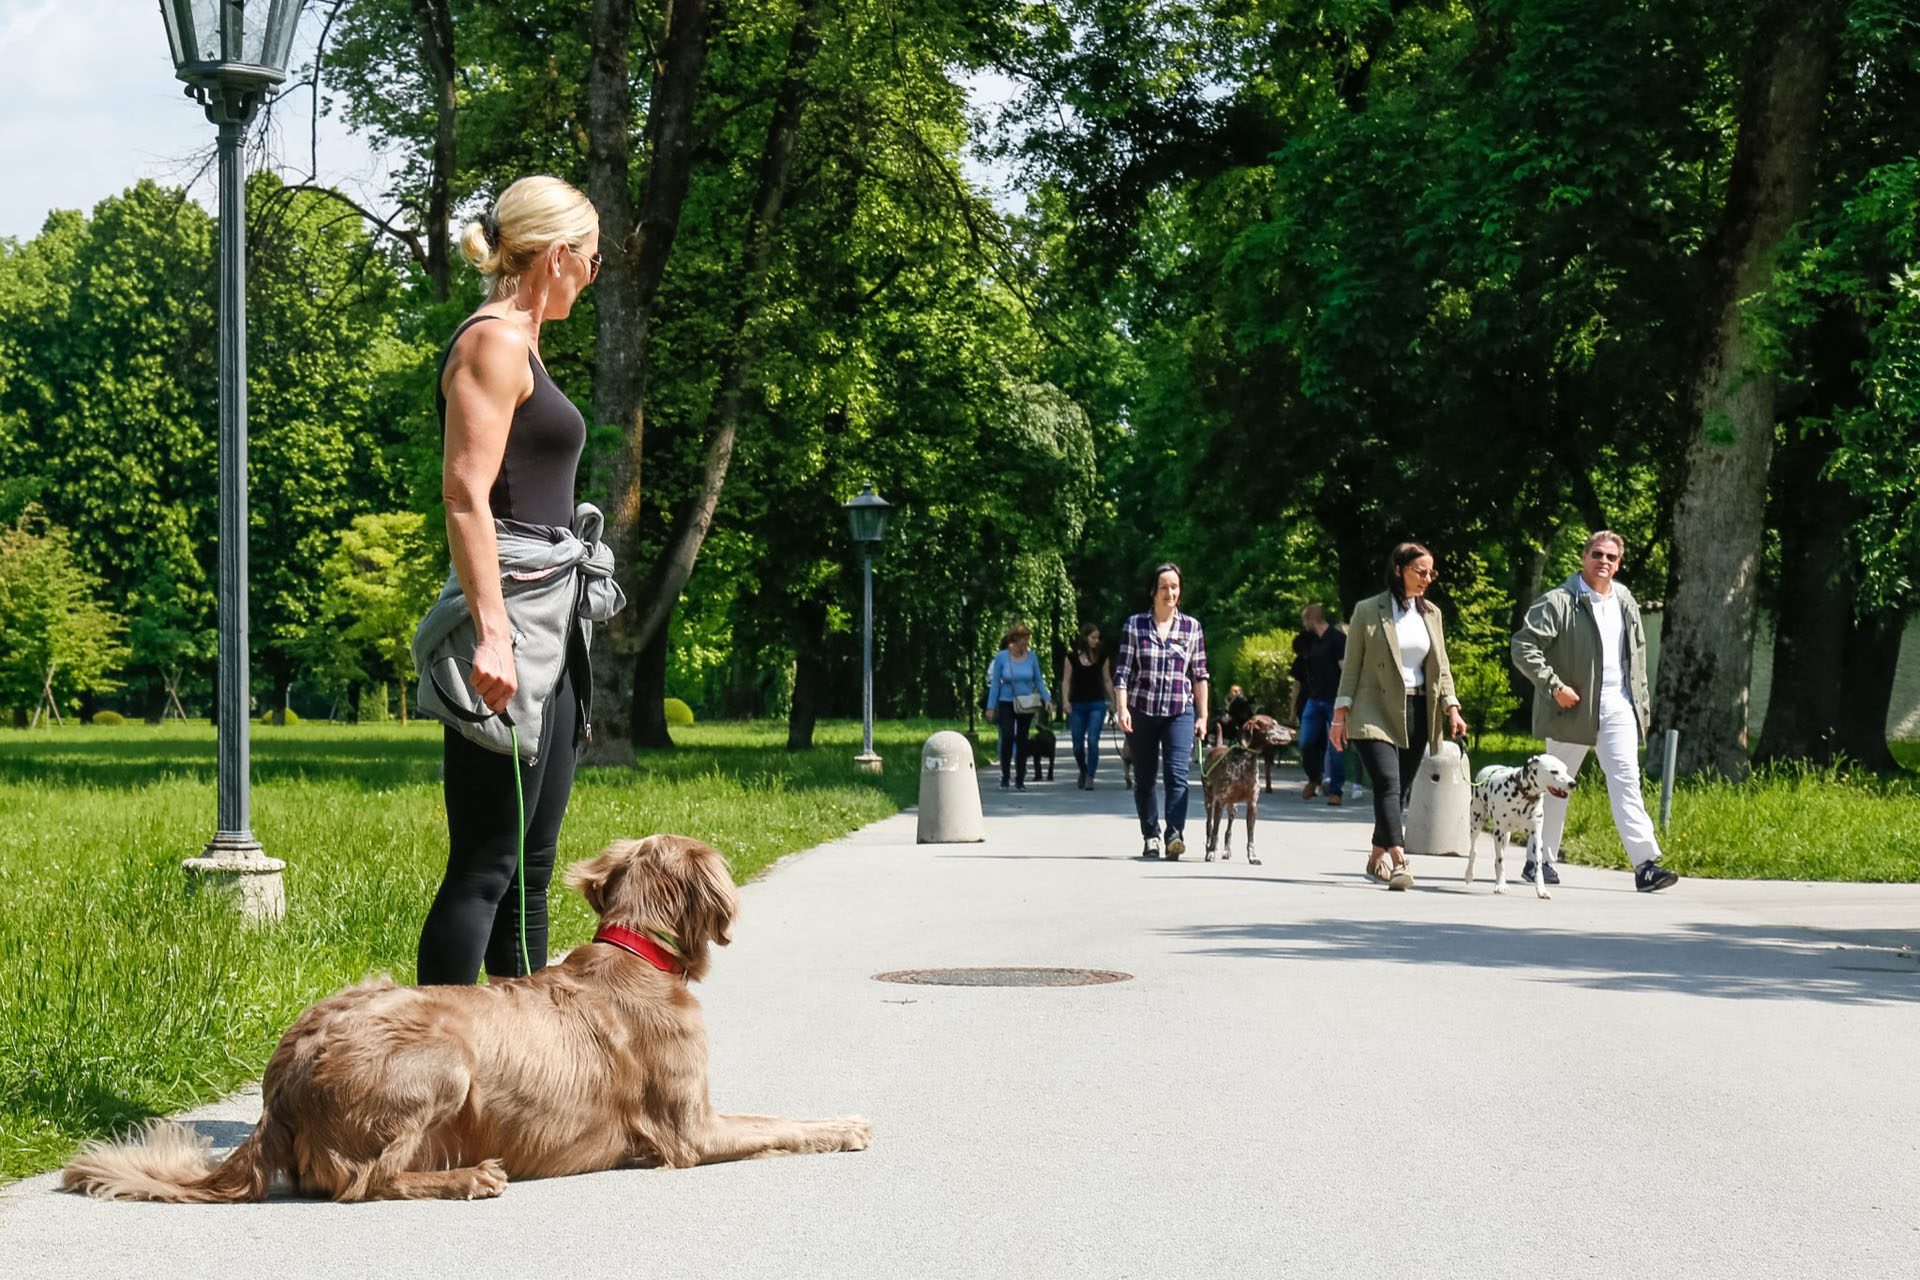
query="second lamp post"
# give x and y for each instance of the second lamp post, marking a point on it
(867, 518)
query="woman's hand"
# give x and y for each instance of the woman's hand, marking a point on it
(1337, 731)
(494, 678)
(1124, 716)
(1048, 706)
(1456, 726)
(1566, 697)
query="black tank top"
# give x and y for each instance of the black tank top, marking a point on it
(1083, 682)
(544, 443)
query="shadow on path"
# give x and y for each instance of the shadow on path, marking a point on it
(1727, 961)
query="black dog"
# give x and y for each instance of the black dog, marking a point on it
(1040, 747)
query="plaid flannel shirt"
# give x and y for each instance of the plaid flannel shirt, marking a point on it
(1157, 674)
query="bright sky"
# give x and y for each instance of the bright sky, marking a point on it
(90, 104)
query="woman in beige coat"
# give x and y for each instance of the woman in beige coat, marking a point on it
(1396, 692)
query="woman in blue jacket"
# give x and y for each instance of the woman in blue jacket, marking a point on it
(1016, 690)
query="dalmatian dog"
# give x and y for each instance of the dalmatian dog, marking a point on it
(1509, 800)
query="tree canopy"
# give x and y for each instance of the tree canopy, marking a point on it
(1277, 286)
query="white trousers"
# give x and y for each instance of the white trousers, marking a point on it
(1618, 749)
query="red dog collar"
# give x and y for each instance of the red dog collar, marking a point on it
(640, 945)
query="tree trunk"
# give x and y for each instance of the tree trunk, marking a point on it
(810, 675)
(636, 253)
(675, 564)
(435, 24)
(1866, 691)
(1812, 513)
(1706, 658)
(282, 686)
(354, 690)
(1529, 562)
(809, 688)
(648, 711)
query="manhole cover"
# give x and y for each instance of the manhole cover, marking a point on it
(1004, 977)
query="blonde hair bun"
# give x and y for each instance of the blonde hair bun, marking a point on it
(527, 219)
(479, 249)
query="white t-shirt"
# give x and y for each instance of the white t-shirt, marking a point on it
(1411, 630)
(1613, 677)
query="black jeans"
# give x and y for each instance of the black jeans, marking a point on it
(475, 917)
(1014, 731)
(1393, 769)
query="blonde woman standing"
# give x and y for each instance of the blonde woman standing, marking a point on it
(512, 443)
(1396, 693)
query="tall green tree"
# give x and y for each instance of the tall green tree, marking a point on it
(58, 637)
(1707, 641)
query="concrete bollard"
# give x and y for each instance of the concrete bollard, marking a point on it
(949, 792)
(1440, 813)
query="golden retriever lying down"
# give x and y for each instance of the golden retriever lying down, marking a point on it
(384, 1092)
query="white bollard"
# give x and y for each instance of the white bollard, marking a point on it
(1440, 812)
(949, 792)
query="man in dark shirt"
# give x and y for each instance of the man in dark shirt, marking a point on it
(1317, 653)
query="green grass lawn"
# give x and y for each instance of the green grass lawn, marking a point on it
(123, 997)
(1782, 824)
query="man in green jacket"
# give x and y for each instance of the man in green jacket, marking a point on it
(1585, 651)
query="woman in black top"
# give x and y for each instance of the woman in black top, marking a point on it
(512, 445)
(1086, 682)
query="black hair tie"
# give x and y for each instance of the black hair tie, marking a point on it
(490, 228)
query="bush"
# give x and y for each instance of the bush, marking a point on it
(679, 714)
(1262, 665)
(1477, 645)
(293, 717)
(108, 718)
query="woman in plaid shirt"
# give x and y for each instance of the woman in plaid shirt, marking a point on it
(1159, 692)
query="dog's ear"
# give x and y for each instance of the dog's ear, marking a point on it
(599, 878)
(712, 899)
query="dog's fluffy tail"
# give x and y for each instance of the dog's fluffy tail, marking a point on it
(170, 1163)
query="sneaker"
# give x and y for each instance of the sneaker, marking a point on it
(1176, 845)
(1401, 878)
(1004, 784)
(1650, 875)
(1089, 784)
(1551, 872)
(1082, 783)
(1531, 870)
(1333, 798)
(1152, 849)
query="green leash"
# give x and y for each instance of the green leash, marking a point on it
(1206, 769)
(520, 844)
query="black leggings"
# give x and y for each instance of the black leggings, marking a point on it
(1392, 769)
(476, 914)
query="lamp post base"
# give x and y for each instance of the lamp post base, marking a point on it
(234, 864)
(867, 762)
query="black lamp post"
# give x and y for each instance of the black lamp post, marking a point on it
(230, 53)
(867, 518)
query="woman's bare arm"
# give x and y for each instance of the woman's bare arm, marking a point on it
(487, 378)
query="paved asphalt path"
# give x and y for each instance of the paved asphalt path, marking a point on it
(1306, 1076)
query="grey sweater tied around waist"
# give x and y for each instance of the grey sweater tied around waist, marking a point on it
(552, 580)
